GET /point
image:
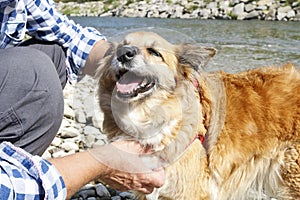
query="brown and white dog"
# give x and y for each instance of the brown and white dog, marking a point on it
(225, 136)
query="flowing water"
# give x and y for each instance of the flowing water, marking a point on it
(241, 45)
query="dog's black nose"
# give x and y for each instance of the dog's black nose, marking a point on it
(126, 53)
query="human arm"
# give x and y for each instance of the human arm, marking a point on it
(122, 173)
(24, 174)
(96, 54)
(46, 23)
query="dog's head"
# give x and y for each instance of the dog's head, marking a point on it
(144, 86)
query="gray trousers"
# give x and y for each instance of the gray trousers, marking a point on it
(31, 100)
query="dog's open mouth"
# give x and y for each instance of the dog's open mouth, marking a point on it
(131, 85)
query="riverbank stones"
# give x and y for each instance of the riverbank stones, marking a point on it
(195, 9)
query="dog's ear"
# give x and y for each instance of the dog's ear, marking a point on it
(195, 56)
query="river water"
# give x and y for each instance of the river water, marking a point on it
(241, 45)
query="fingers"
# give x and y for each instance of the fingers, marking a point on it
(146, 189)
(150, 181)
(144, 183)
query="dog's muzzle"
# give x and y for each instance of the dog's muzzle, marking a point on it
(131, 84)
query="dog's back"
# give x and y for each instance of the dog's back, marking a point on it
(256, 155)
(262, 124)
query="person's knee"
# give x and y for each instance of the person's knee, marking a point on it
(56, 53)
(31, 87)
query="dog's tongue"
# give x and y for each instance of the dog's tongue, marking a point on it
(128, 82)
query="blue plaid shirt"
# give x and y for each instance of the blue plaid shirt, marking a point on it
(39, 19)
(28, 177)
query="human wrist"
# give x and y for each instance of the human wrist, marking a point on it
(84, 169)
(100, 167)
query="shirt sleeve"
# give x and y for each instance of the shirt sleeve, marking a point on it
(46, 23)
(24, 176)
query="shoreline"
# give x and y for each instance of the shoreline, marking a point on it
(269, 10)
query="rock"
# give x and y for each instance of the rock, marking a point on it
(284, 9)
(127, 195)
(102, 191)
(60, 153)
(177, 12)
(68, 111)
(265, 2)
(89, 105)
(271, 14)
(297, 17)
(97, 121)
(295, 4)
(116, 198)
(282, 12)
(261, 7)
(46, 155)
(69, 132)
(223, 5)
(77, 104)
(249, 7)
(101, 137)
(52, 149)
(215, 12)
(212, 5)
(234, 2)
(281, 15)
(69, 146)
(56, 141)
(297, 9)
(66, 122)
(238, 10)
(242, 16)
(98, 143)
(204, 13)
(291, 14)
(252, 15)
(90, 130)
(80, 116)
(89, 140)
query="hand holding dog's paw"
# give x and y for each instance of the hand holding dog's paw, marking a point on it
(126, 170)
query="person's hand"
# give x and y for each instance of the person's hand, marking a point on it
(127, 167)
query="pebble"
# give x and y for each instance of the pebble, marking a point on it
(47, 155)
(98, 144)
(59, 153)
(97, 122)
(69, 132)
(90, 140)
(90, 130)
(56, 141)
(80, 117)
(69, 146)
(68, 111)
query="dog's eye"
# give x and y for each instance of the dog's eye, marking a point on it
(153, 52)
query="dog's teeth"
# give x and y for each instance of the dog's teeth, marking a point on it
(145, 82)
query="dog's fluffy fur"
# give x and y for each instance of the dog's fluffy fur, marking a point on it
(250, 121)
